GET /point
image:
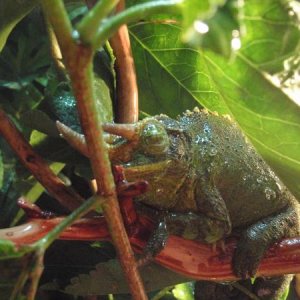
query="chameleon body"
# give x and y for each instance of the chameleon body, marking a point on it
(208, 182)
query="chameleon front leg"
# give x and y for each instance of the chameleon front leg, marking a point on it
(192, 226)
(257, 238)
(208, 224)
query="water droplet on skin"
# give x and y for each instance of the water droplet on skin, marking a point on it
(201, 140)
(270, 194)
(159, 191)
(213, 152)
(279, 186)
(207, 129)
(260, 179)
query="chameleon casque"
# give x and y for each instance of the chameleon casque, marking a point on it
(207, 182)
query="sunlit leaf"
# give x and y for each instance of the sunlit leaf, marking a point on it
(271, 25)
(183, 291)
(194, 13)
(267, 116)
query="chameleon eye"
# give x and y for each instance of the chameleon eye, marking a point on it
(154, 139)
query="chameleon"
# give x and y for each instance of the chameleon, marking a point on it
(206, 183)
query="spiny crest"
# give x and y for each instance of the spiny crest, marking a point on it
(196, 110)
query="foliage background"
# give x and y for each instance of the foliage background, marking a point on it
(177, 69)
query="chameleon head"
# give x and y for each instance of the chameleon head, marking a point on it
(146, 138)
(150, 149)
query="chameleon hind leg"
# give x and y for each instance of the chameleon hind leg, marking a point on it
(257, 238)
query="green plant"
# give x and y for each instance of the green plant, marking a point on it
(228, 70)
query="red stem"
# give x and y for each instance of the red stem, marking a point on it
(189, 258)
(66, 196)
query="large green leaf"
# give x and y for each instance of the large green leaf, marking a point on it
(10, 14)
(161, 58)
(107, 277)
(271, 33)
(188, 76)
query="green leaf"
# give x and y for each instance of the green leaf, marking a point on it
(267, 116)
(107, 278)
(9, 250)
(272, 25)
(37, 119)
(221, 27)
(196, 11)
(161, 57)
(25, 57)
(184, 291)
(10, 14)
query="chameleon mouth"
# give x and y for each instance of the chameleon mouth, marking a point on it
(145, 170)
(120, 139)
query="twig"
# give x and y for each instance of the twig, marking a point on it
(127, 90)
(132, 14)
(91, 123)
(88, 26)
(79, 64)
(37, 270)
(180, 255)
(66, 196)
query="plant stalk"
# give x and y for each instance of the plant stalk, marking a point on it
(82, 78)
(127, 110)
(132, 14)
(66, 196)
(79, 63)
(90, 23)
(48, 239)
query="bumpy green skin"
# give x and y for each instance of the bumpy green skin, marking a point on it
(212, 184)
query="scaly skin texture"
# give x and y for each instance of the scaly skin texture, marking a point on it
(208, 182)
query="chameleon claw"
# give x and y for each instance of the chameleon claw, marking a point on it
(145, 260)
(219, 244)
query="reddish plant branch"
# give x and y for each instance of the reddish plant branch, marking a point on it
(66, 196)
(127, 91)
(190, 258)
(81, 74)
